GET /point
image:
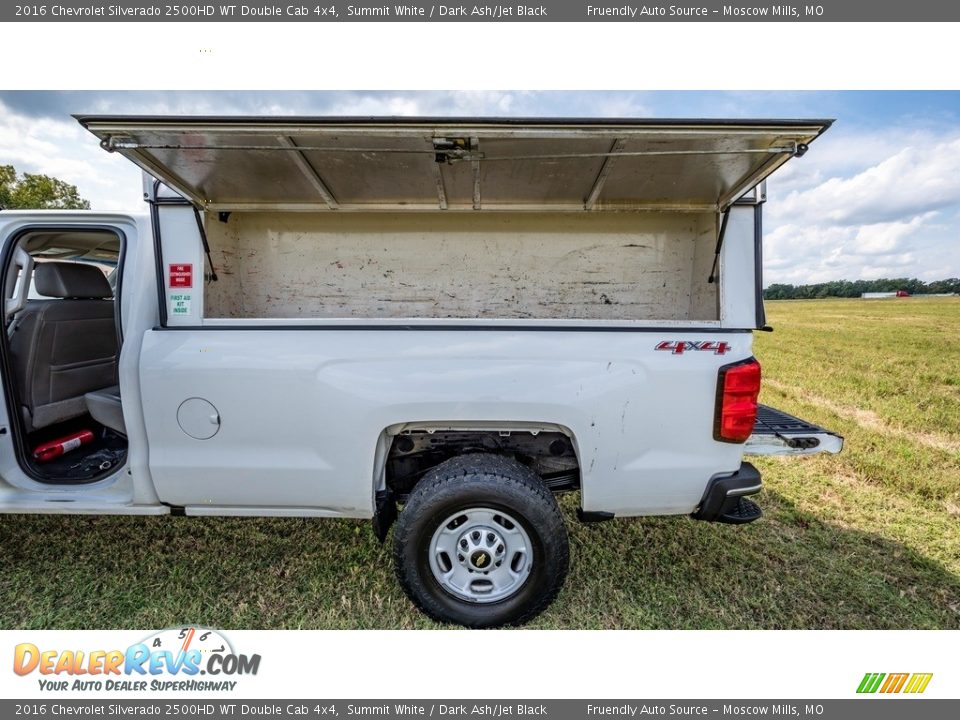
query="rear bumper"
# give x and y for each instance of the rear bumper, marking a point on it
(722, 498)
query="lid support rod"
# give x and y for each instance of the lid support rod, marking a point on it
(716, 252)
(605, 169)
(206, 244)
(310, 172)
(441, 190)
(475, 163)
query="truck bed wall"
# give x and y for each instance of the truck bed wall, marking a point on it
(615, 266)
(301, 413)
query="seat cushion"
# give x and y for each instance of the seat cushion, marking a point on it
(105, 407)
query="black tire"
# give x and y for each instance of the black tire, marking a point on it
(481, 481)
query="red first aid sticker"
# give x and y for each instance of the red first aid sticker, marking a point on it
(181, 275)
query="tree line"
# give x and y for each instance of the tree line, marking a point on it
(31, 191)
(855, 288)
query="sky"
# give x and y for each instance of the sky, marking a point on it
(878, 195)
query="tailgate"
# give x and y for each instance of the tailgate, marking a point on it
(778, 433)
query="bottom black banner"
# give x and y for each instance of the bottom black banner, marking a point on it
(872, 708)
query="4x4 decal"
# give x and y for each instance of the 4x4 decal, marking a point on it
(678, 347)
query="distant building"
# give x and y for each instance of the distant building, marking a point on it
(877, 295)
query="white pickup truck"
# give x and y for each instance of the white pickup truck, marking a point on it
(337, 317)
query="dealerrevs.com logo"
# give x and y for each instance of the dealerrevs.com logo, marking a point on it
(178, 659)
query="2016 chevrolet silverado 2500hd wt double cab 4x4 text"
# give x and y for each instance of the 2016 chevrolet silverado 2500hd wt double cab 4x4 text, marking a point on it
(340, 317)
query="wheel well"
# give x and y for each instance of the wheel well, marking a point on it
(549, 453)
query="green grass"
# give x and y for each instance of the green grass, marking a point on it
(866, 539)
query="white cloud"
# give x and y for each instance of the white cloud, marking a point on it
(917, 247)
(888, 238)
(845, 151)
(65, 150)
(913, 180)
(866, 210)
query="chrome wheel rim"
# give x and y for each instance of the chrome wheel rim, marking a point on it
(481, 555)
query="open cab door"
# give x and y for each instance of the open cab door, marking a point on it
(777, 433)
(63, 441)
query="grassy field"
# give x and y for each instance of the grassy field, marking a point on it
(866, 539)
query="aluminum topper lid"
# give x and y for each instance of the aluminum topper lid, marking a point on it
(330, 163)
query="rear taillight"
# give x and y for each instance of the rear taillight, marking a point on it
(738, 386)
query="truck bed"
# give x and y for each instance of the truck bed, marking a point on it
(614, 266)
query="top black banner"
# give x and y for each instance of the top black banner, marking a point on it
(330, 11)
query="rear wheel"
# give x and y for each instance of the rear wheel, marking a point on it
(481, 543)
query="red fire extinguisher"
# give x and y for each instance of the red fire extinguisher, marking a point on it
(55, 448)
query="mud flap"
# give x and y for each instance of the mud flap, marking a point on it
(385, 514)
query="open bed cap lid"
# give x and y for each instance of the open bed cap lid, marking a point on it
(394, 164)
